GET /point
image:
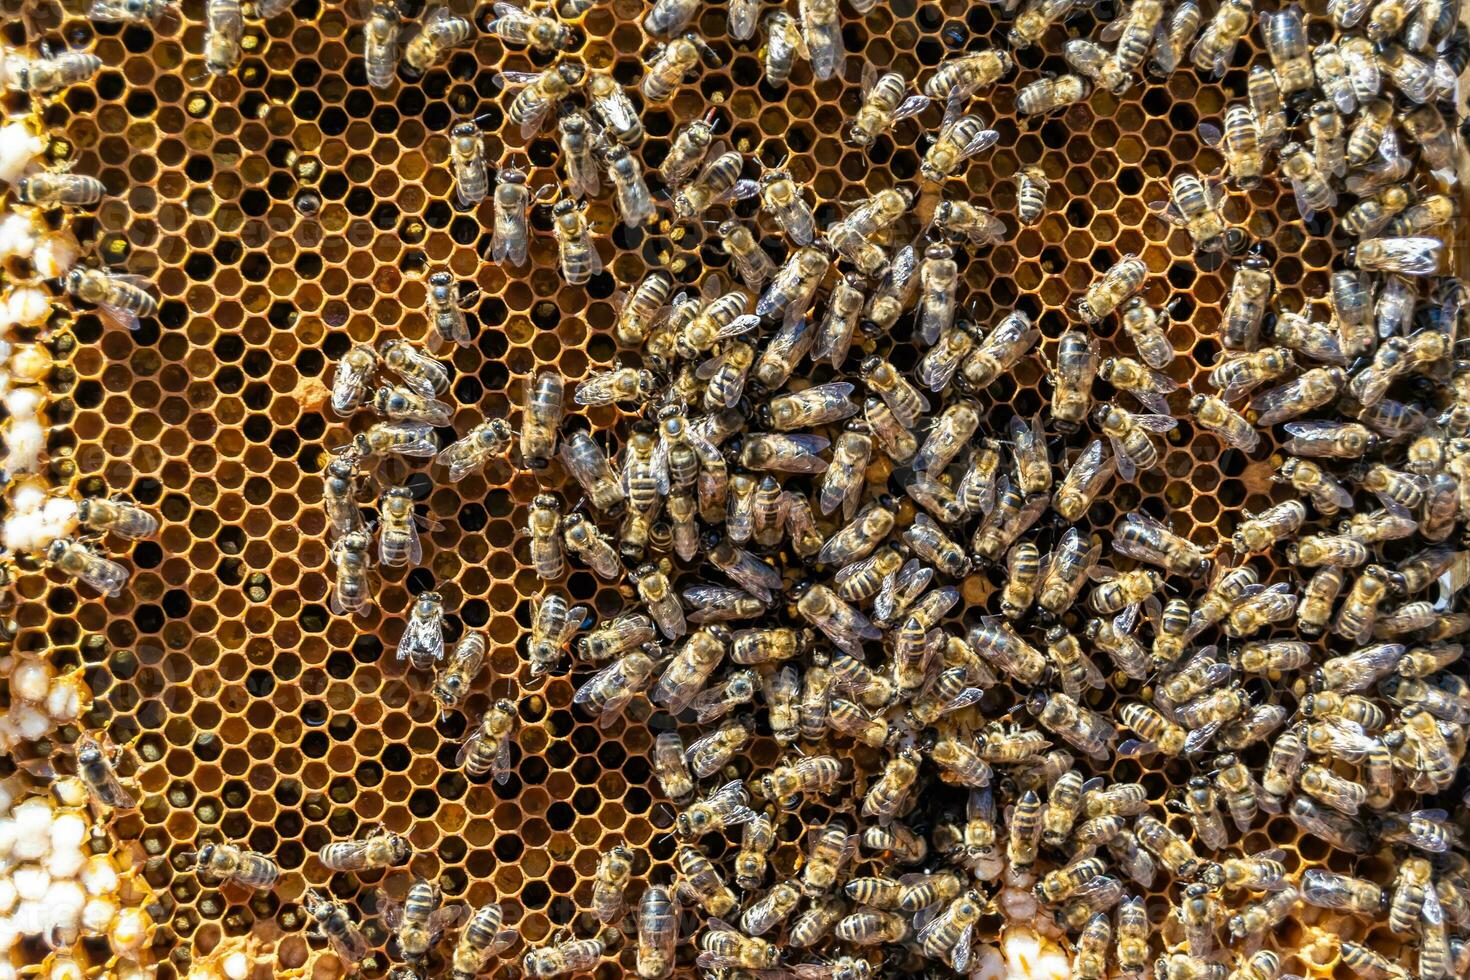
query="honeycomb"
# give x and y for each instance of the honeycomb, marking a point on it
(287, 211)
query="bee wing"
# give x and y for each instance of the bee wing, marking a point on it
(509, 79)
(576, 616)
(476, 737)
(710, 705)
(349, 945)
(802, 452)
(104, 575)
(614, 707)
(984, 140)
(415, 548)
(741, 324)
(117, 316)
(1134, 748)
(448, 917)
(926, 932)
(1198, 738)
(111, 792)
(619, 111)
(1269, 405)
(1310, 431)
(1156, 423)
(582, 180)
(597, 390)
(711, 367)
(501, 766)
(1092, 677)
(911, 106)
(1127, 469)
(961, 955)
(738, 191)
(1169, 211)
(535, 116)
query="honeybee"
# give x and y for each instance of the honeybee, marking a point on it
(1424, 830)
(1170, 44)
(798, 705)
(1096, 63)
(553, 624)
(97, 759)
(960, 77)
(644, 472)
(564, 955)
(885, 102)
(1132, 448)
(757, 838)
(76, 560)
(947, 936)
(709, 753)
(1173, 850)
(380, 37)
(334, 923)
(1158, 734)
(1413, 256)
(794, 285)
(1330, 890)
(958, 141)
(380, 849)
(806, 775)
(585, 461)
(1131, 950)
(354, 373)
(751, 261)
(701, 882)
(671, 63)
(749, 572)
(784, 43)
(610, 690)
(1360, 609)
(687, 672)
(1086, 730)
(121, 298)
(1105, 295)
(871, 926)
(482, 939)
(625, 174)
(1239, 143)
(999, 351)
(614, 871)
(1215, 49)
(442, 30)
(541, 94)
(1059, 885)
(577, 144)
(1035, 18)
(575, 248)
(488, 747)
(1195, 205)
(831, 847)
(454, 681)
(1050, 94)
(350, 591)
(226, 862)
(513, 200)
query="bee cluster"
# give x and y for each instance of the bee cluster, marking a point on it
(864, 564)
(910, 706)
